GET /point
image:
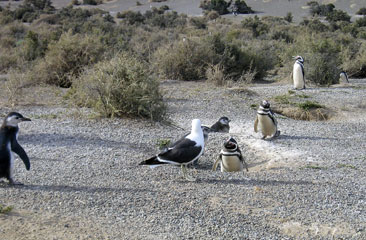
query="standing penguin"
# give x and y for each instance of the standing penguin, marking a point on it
(343, 77)
(298, 73)
(266, 121)
(230, 158)
(222, 125)
(9, 144)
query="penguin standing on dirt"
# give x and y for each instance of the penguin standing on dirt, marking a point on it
(266, 121)
(222, 125)
(230, 158)
(182, 153)
(343, 77)
(9, 144)
(298, 73)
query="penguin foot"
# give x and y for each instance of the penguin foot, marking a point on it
(264, 137)
(13, 183)
(277, 133)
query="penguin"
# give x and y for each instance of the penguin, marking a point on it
(9, 144)
(343, 77)
(298, 73)
(222, 125)
(230, 158)
(266, 121)
(183, 152)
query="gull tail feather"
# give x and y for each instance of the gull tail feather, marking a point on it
(152, 161)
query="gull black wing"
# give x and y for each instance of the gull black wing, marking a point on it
(183, 152)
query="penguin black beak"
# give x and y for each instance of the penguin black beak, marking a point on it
(26, 119)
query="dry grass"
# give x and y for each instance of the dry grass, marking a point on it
(297, 113)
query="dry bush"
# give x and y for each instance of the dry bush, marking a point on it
(215, 74)
(314, 114)
(354, 60)
(67, 57)
(122, 86)
(183, 60)
(16, 83)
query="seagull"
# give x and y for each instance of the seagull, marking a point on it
(183, 152)
(206, 130)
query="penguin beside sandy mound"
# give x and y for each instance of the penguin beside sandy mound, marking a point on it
(230, 158)
(266, 121)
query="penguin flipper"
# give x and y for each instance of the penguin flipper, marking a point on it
(214, 167)
(15, 147)
(243, 161)
(256, 124)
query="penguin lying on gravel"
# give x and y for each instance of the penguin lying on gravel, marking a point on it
(9, 144)
(230, 158)
(222, 125)
(266, 121)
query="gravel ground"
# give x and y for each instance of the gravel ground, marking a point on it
(85, 182)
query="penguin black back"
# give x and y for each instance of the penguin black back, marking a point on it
(222, 125)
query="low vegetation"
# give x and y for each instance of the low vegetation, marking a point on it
(5, 209)
(122, 86)
(66, 46)
(297, 106)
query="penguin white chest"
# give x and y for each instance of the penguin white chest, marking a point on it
(298, 76)
(231, 164)
(266, 125)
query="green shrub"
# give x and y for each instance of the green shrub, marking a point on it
(212, 15)
(338, 15)
(289, 17)
(122, 86)
(67, 57)
(255, 24)
(320, 9)
(354, 59)
(361, 11)
(307, 105)
(92, 2)
(5, 209)
(361, 22)
(198, 22)
(219, 6)
(30, 10)
(131, 17)
(242, 7)
(315, 25)
(323, 68)
(183, 60)
(32, 46)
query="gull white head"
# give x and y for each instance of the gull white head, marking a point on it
(196, 133)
